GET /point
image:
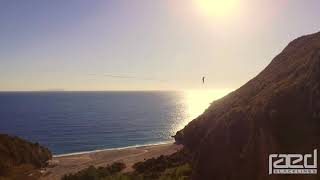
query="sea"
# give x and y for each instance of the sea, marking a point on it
(73, 122)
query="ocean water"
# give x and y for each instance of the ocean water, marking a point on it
(69, 122)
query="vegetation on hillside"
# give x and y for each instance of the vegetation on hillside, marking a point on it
(175, 167)
(18, 155)
(96, 173)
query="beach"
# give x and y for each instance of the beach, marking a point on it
(71, 163)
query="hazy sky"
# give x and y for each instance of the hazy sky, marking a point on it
(144, 44)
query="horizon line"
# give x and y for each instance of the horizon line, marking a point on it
(121, 90)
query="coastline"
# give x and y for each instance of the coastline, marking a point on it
(74, 162)
(111, 149)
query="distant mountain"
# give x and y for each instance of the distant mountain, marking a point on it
(278, 111)
(16, 152)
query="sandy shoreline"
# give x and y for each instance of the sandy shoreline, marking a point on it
(70, 163)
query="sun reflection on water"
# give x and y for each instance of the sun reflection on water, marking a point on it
(197, 101)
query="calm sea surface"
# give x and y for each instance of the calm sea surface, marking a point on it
(68, 122)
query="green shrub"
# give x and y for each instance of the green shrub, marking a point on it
(182, 172)
(93, 173)
(172, 167)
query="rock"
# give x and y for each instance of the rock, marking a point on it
(275, 112)
(15, 152)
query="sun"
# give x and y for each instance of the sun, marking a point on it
(216, 8)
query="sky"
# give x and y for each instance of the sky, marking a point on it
(143, 44)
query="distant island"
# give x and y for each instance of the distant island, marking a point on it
(277, 111)
(52, 90)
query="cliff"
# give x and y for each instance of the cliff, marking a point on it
(15, 152)
(278, 111)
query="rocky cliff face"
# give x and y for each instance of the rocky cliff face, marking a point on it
(278, 111)
(15, 152)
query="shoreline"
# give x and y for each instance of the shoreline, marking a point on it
(74, 162)
(111, 149)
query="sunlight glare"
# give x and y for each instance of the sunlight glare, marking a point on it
(216, 8)
(197, 101)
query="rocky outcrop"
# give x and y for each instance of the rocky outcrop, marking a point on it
(15, 152)
(278, 111)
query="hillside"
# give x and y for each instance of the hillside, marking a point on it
(278, 111)
(16, 153)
